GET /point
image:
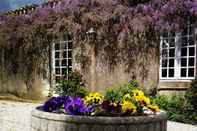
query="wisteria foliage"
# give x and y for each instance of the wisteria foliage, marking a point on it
(123, 16)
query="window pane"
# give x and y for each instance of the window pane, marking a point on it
(164, 63)
(184, 41)
(164, 53)
(172, 34)
(70, 54)
(191, 62)
(64, 46)
(57, 70)
(164, 44)
(191, 72)
(57, 54)
(191, 41)
(57, 63)
(65, 54)
(69, 69)
(171, 62)
(69, 62)
(64, 62)
(172, 42)
(70, 45)
(164, 72)
(191, 51)
(165, 34)
(183, 72)
(183, 51)
(57, 46)
(171, 52)
(171, 72)
(64, 70)
(183, 62)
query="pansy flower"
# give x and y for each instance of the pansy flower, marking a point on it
(54, 103)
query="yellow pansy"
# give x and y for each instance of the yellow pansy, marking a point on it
(137, 92)
(144, 101)
(95, 98)
(128, 106)
(140, 97)
(153, 108)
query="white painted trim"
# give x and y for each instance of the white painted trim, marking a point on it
(176, 80)
(177, 61)
(60, 58)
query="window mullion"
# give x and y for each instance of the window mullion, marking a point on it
(67, 56)
(161, 42)
(177, 56)
(195, 32)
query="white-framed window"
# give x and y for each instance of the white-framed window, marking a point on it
(178, 55)
(61, 59)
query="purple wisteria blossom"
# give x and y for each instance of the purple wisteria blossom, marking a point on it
(119, 18)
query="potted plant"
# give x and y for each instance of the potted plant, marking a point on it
(123, 109)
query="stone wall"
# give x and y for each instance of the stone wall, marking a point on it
(33, 79)
(169, 88)
(23, 76)
(100, 74)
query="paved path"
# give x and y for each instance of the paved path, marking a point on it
(175, 126)
(15, 116)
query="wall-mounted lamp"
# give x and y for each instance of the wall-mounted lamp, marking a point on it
(91, 34)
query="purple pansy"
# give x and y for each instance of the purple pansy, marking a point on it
(76, 106)
(54, 103)
(73, 106)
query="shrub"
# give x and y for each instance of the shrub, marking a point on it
(72, 85)
(191, 94)
(177, 107)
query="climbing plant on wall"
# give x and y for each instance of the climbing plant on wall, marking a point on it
(124, 28)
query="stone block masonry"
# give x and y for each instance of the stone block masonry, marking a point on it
(43, 121)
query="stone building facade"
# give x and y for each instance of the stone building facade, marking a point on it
(171, 67)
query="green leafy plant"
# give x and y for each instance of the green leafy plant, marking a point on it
(128, 87)
(177, 107)
(113, 95)
(72, 85)
(191, 94)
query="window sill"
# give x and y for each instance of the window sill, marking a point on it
(176, 80)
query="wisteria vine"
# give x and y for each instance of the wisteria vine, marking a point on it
(120, 24)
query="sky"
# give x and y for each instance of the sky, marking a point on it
(6, 5)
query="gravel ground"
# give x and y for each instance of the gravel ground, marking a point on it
(15, 116)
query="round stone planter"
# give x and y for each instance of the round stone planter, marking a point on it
(44, 121)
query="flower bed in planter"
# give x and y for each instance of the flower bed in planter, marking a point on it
(124, 109)
(45, 121)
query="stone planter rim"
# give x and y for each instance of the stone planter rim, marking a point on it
(99, 119)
